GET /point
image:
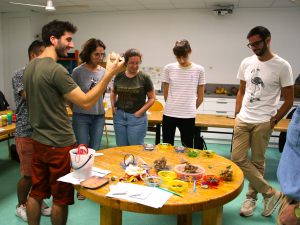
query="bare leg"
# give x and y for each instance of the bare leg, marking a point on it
(34, 211)
(59, 214)
(24, 186)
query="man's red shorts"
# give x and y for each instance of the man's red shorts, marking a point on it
(24, 149)
(49, 164)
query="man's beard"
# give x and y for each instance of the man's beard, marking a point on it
(262, 51)
(60, 50)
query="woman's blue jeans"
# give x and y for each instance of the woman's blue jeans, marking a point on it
(85, 126)
(129, 129)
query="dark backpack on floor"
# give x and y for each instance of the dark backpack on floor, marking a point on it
(3, 103)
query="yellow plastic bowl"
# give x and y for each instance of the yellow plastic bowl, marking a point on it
(174, 185)
(208, 153)
(164, 146)
(167, 175)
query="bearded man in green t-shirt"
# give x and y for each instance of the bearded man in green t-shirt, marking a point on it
(46, 85)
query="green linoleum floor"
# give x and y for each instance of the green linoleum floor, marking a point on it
(88, 212)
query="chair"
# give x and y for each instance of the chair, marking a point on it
(157, 106)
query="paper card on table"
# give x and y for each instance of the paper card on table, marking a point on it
(142, 196)
(100, 171)
(70, 179)
(115, 190)
(138, 161)
(156, 199)
(134, 193)
(183, 160)
(98, 154)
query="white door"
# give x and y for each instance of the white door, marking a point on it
(19, 41)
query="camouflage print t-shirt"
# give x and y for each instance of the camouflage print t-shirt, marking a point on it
(23, 128)
(132, 92)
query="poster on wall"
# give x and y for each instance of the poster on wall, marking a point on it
(155, 74)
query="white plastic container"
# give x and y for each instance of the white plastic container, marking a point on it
(82, 164)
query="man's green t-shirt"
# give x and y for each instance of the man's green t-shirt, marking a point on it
(45, 83)
(132, 91)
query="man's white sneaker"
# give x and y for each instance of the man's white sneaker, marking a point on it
(271, 203)
(248, 206)
(21, 212)
(45, 209)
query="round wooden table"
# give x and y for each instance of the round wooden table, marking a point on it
(210, 201)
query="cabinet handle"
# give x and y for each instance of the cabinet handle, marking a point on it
(221, 111)
(222, 102)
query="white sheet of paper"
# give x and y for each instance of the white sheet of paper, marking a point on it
(142, 196)
(70, 179)
(2, 129)
(148, 112)
(117, 191)
(105, 109)
(155, 199)
(98, 154)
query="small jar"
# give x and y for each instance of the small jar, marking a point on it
(4, 120)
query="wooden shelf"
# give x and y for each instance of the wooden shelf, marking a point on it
(73, 59)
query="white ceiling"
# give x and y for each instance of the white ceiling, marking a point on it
(129, 5)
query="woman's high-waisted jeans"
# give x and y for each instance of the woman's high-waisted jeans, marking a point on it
(85, 126)
(129, 129)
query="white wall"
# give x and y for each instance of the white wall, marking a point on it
(219, 43)
(19, 30)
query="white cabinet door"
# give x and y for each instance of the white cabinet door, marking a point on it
(219, 104)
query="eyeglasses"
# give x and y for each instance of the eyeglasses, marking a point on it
(98, 55)
(255, 44)
(132, 63)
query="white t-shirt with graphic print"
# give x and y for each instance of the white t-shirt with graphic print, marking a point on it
(183, 87)
(264, 81)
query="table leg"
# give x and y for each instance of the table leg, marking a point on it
(157, 134)
(9, 151)
(110, 216)
(197, 143)
(184, 219)
(213, 216)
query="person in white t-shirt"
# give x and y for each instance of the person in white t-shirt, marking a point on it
(183, 93)
(262, 78)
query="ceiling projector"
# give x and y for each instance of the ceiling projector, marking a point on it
(227, 9)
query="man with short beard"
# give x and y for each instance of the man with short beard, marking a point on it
(47, 84)
(262, 77)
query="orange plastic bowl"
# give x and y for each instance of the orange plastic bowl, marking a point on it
(212, 179)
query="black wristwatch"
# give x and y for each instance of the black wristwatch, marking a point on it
(275, 121)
